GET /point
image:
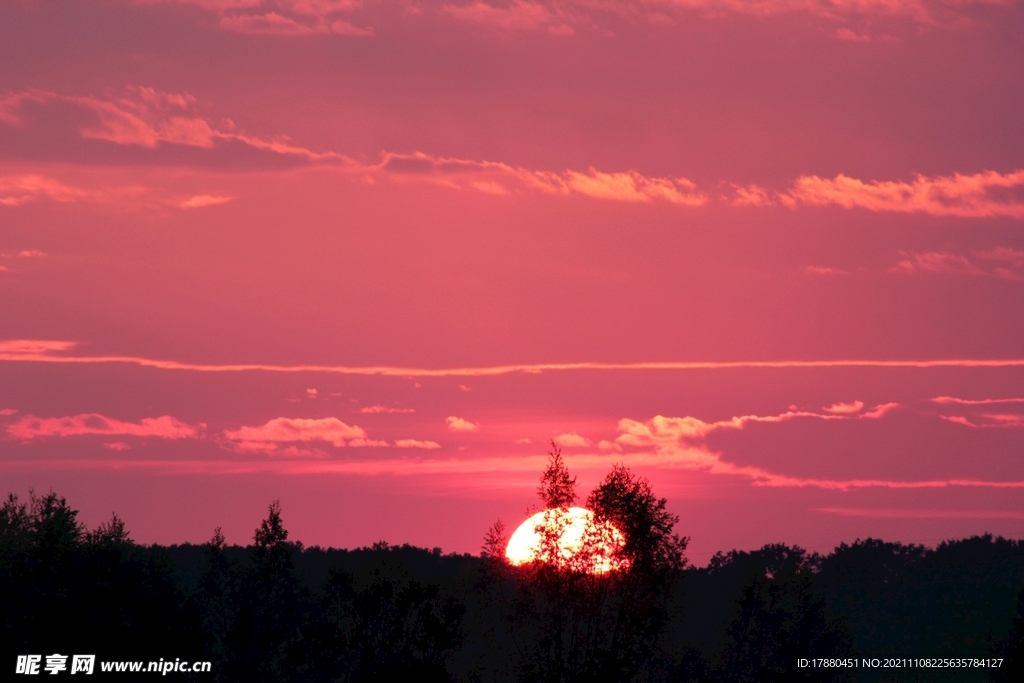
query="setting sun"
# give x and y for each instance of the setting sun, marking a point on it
(576, 541)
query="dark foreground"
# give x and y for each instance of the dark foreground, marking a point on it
(276, 611)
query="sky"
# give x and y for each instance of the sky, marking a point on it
(373, 257)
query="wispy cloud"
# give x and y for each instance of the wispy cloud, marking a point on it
(416, 443)
(906, 513)
(201, 200)
(164, 427)
(18, 190)
(679, 442)
(517, 15)
(974, 401)
(48, 351)
(999, 263)
(987, 420)
(148, 118)
(985, 194)
(289, 18)
(495, 177)
(844, 408)
(564, 17)
(384, 409)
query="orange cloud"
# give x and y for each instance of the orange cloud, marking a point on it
(878, 411)
(518, 15)
(572, 440)
(415, 443)
(164, 427)
(985, 194)
(844, 408)
(974, 402)
(17, 190)
(495, 177)
(677, 441)
(821, 270)
(751, 195)
(146, 117)
(289, 430)
(457, 424)
(202, 200)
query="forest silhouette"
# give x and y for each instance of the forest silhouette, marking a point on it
(276, 610)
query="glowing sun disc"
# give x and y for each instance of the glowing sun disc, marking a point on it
(577, 532)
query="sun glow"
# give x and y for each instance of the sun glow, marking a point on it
(569, 538)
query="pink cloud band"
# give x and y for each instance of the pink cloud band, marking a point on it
(678, 443)
(164, 427)
(297, 18)
(150, 119)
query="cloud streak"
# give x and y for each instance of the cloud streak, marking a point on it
(147, 118)
(47, 351)
(416, 443)
(304, 18)
(902, 513)
(679, 443)
(493, 177)
(163, 427)
(981, 195)
(945, 400)
(1006, 265)
(154, 121)
(29, 188)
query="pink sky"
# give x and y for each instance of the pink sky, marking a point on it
(370, 256)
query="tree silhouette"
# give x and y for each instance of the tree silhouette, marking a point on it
(63, 586)
(780, 619)
(557, 489)
(267, 640)
(277, 611)
(386, 626)
(569, 622)
(216, 599)
(1012, 648)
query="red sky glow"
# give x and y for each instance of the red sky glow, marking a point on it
(371, 257)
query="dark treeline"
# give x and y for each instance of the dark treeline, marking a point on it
(277, 611)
